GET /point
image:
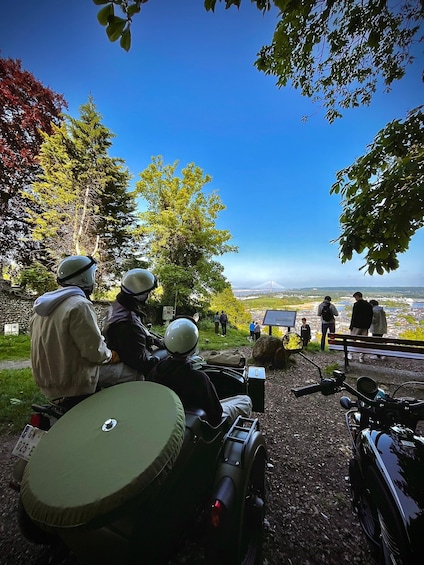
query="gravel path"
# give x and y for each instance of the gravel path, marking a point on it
(23, 364)
(309, 519)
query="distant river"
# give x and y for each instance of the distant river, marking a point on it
(417, 305)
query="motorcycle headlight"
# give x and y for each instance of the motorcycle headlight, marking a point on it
(367, 386)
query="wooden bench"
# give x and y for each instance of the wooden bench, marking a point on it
(387, 346)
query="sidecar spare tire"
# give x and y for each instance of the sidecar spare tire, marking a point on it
(111, 448)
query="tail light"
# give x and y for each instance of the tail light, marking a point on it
(223, 502)
(217, 514)
(40, 421)
(35, 420)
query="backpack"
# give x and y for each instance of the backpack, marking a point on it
(326, 313)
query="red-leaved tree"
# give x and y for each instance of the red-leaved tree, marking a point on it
(27, 107)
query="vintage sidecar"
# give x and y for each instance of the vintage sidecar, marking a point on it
(127, 474)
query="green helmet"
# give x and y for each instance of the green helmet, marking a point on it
(77, 270)
(181, 337)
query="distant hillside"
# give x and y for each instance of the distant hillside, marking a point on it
(409, 292)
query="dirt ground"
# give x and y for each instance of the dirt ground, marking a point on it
(309, 518)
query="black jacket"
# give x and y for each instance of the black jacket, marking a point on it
(125, 333)
(192, 386)
(361, 315)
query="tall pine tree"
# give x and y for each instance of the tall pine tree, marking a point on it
(81, 197)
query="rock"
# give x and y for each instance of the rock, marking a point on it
(281, 358)
(265, 348)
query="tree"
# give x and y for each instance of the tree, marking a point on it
(416, 333)
(37, 278)
(81, 201)
(182, 236)
(335, 50)
(27, 108)
(383, 195)
(237, 315)
(339, 52)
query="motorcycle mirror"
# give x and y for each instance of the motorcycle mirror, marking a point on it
(367, 386)
(292, 342)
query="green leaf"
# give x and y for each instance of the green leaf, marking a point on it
(100, 2)
(210, 5)
(133, 9)
(125, 41)
(115, 28)
(104, 14)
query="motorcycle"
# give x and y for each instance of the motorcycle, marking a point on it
(386, 470)
(126, 474)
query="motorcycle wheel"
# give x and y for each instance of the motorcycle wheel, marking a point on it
(394, 546)
(363, 506)
(251, 524)
(31, 531)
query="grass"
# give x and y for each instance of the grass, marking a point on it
(17, 392)
(14, 347)
(209, 340)
(18, 389)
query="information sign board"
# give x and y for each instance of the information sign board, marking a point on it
(286, 318)
(168, 313)
(11, 329)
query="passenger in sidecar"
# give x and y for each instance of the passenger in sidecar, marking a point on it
(192, 385)
(124, 475)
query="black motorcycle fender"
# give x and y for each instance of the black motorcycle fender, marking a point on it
(398, 456)
(232, 477)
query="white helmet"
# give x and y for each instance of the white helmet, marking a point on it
(181, 337)
(137, 282)
(78, 270)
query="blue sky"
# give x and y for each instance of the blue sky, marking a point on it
(188, 91)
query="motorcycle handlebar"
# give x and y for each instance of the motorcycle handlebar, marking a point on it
(309, 389)
(326, 386)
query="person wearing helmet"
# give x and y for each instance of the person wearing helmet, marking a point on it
(67, 346)
(193, 386)
(124, 329)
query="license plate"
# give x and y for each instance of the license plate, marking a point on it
(28, 441)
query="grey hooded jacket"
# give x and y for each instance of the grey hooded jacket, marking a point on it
(67, 346)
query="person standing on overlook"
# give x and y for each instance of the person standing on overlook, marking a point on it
(362, 314)
(305, 332)
(379, 322)
(252, 330)
(257, 331)
(216, 322)
(327, 311)
(224, 321)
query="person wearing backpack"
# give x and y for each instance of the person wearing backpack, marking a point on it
(327, 311)
(224, 321)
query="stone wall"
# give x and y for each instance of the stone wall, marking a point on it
(16, 309)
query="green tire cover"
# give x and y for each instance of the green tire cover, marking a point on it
(103, 452)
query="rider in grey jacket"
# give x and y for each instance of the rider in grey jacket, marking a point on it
(67, 346)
